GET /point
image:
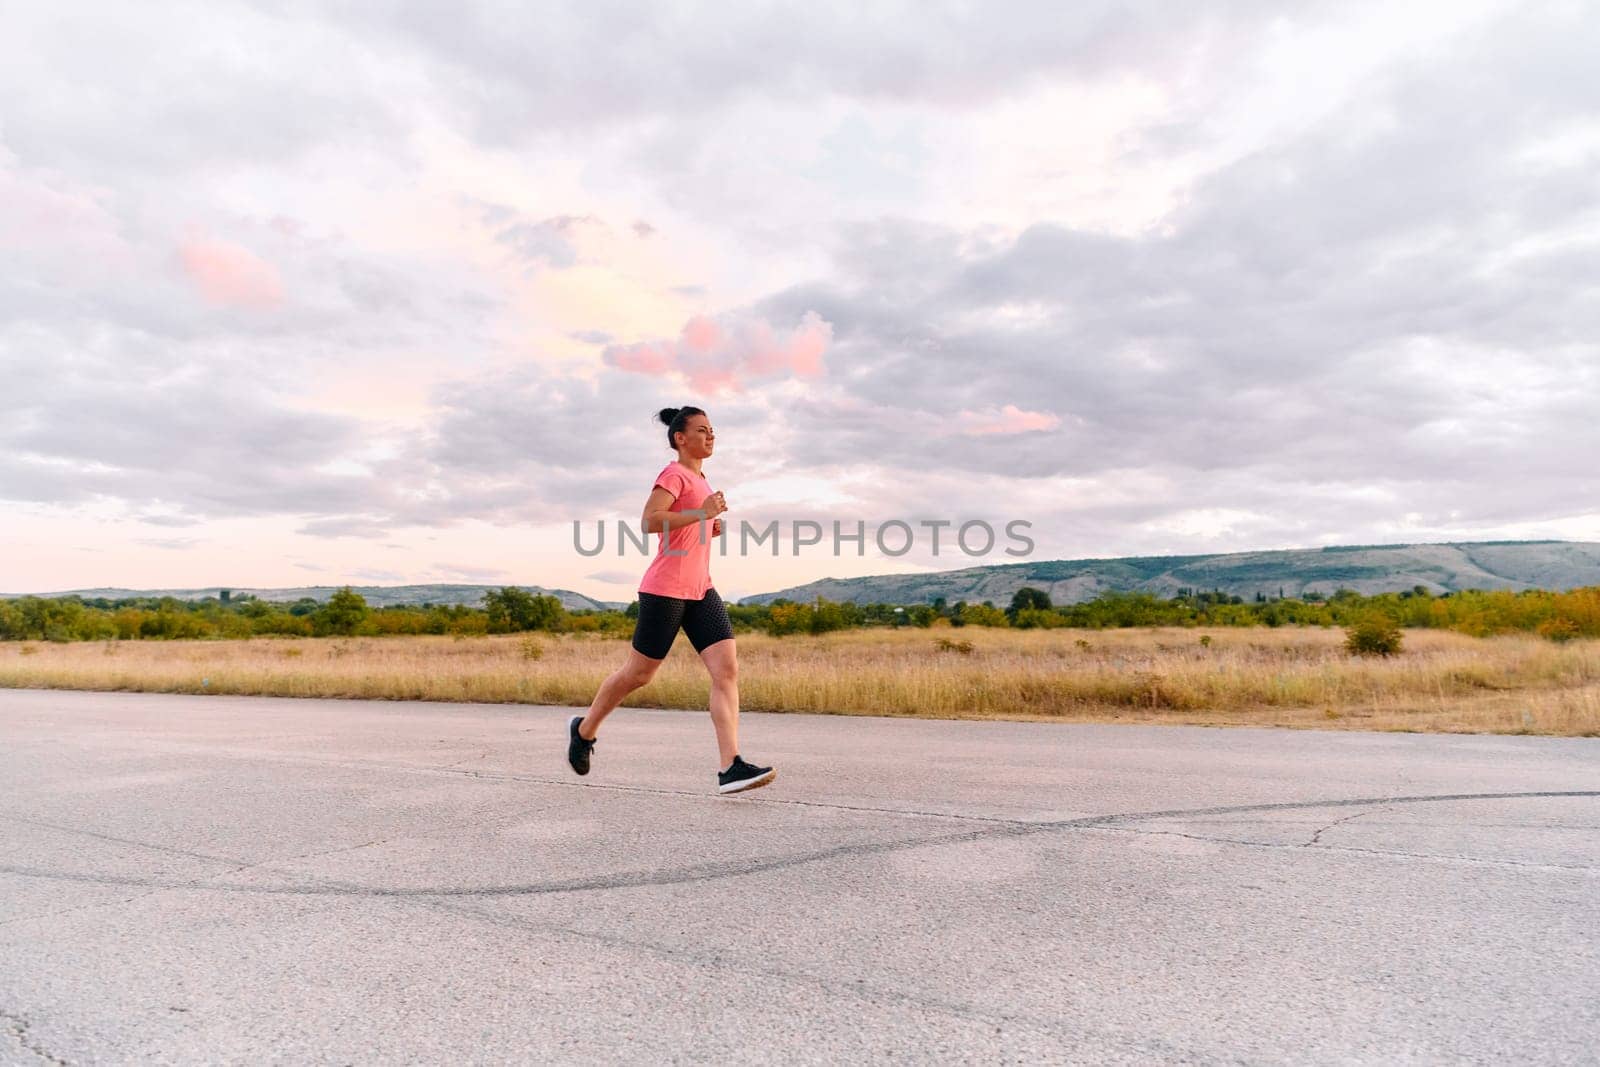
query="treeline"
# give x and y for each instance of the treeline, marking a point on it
(1558, 616)
(345, 614)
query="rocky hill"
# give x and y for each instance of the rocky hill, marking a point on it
(1363, 568)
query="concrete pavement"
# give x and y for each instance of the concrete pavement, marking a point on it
(187, 879)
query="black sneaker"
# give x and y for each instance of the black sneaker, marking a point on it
(741, 776)
(578, 750)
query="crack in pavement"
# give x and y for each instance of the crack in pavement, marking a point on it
(236, 865)
(128, 841)
(17, 1026)
(965, 1012)
(565, 782)
(83, 907)
(858, 989)
(1337, 822)
(1478, 861)
(118, 840)
(712, 871)
(694, 873)
(269, 862)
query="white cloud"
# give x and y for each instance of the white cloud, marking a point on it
(1220, 275)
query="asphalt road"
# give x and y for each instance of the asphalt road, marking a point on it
(187, 879)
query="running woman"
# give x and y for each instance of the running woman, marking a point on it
(676, 593)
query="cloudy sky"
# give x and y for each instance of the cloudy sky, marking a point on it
(313, 293)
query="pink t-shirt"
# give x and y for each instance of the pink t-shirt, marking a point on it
(686, 576)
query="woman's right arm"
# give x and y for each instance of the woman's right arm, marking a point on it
(658, 513)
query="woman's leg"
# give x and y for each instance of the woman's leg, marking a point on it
(625, 679)
(722, 661)
(653, 634)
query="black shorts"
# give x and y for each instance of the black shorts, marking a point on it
(705, 621)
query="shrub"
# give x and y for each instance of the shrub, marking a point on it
(1040, 618)
(788, 618)
(1558, 629)
(1373, 635)
(981, 615)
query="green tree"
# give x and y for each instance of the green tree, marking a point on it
(345, 611)
(512, 610)
(1028, 598)
(51, 620)
(826, 616)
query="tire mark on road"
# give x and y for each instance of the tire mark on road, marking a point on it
(704, 872)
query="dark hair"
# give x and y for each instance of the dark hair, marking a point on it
(675, 419)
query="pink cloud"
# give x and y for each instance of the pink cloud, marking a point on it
(230, 275)
(702, 334)
(1009, 419)
(718, 357)
(648, 358)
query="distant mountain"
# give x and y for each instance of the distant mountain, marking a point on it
(379, 596)
(1363, 568)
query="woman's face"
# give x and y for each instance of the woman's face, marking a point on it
(698, 436)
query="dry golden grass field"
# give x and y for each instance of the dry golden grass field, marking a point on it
(1288, 677)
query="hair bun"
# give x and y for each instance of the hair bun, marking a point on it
(677, 419)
